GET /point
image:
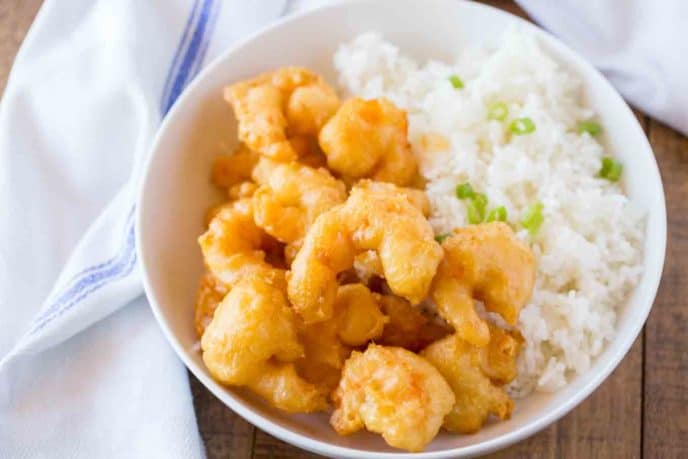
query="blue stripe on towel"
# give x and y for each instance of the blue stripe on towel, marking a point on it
(76, 284)
(187, 67)
(192, 46)
(173, 70)
(125, 263)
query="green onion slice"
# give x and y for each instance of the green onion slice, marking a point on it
(611, 169)
(475, 208)
(532, 218)
(456, 81)
(498, 214)
(590, 127)
(464, 191)
(497, 111)
(441, 237)
(473, 214)
(480, 201)
(522, 126)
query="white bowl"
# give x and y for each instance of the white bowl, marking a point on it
(176, 192)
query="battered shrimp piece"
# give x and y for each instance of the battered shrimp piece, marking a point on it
(291, 249)
(358, 315)
(230, 170)
(368, 265)
(394, 392)
(463, 364)
(324, 354)
(416, 197)
(252, 342)
(357, 320)
(242, 190)
(233, 245)
(386, 221)
(288, 99)
(210, 295)
(498, 360)
(291, 196)
(310, 107)
(311, 101)
(407, 326)
(284, 388)
(369, 220)
(258, 106)
(367, 138)
(483, 262)
(309, 152)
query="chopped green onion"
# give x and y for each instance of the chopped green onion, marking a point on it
(497, 111)
(497, 214)
(464, 191)
(611, 169)
(590, 127)
(473, 214)
(522, 126)
(456, 82)
(533, 218)
(480, 201)
(475, 208)
(441, 237)
(476, 203)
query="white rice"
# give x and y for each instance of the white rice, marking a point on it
(588, 249)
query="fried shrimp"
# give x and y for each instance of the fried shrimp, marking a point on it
(291, 196)
(407, 326)
(367, 138)
(308, 150)
(274, 104)
(242, 190)
(230, 170)
(210, 295)
(482, 262)
(498, 360)
(473, 374)
(252, 342)
(357, 319)
(368, 265)
(394, 392)
(370, 219)
(233, 245)
(324, 354)
(358, 315)
(416, 197)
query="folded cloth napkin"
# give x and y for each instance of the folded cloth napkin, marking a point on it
(85, 96)
(84, 370)
(640, 46)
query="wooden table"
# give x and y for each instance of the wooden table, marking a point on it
(640, 411)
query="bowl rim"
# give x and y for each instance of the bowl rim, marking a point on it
(529, 428)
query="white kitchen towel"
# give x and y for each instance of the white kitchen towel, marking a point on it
(641, 46)
(85, 96)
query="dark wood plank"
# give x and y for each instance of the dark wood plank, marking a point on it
(665, 404)
(15, 18)
(268, 447)
(225, 434)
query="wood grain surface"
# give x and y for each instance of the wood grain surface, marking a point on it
(641, 410)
